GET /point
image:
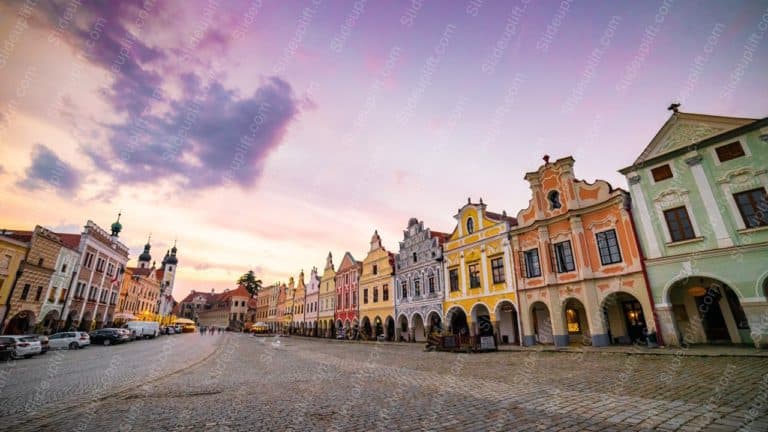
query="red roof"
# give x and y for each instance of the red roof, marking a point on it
(440, 236)
(139, 271)
(240, 291)
(71, 241)
(500, 217)
(23, 236)
(159, 274)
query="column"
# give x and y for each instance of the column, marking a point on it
(712, 209)
(484, 270)
(496, 331)
(557, 315)
(580, 250)
(644, 217)
(667, 324)
(757, 316)
(462, 276)
(508, 265)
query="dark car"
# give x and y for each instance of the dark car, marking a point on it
(7, 346)
(108, 336)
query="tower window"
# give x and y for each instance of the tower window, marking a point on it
(554, 200)
(470, 226)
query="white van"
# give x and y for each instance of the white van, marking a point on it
(147, 329)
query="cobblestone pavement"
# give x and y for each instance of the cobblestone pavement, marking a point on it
(296, 384)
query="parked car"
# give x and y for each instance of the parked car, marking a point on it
(43, 343)
(130, 333)
(6, 348)
(109, 336)
(69, 340)
(170, 330)
(145, 329)
(24, 346)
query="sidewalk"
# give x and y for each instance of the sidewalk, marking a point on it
(694, 350)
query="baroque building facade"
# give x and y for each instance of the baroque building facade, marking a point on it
(311, 303)
(699, 198)
(419, 261)
(479, 282)
(103, 258)
(12, 253)
(299, 325)
(327, 299)
(579, 271)
(347, 281)
(377, 306)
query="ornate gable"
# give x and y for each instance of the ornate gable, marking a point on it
(683, 129)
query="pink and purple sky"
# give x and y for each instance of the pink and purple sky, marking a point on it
(262, 134)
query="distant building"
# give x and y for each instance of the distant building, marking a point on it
(377, 305)
(420, 258)
(12, 253)
(140, 292)
(226, 309)
(327, 300)
(347, 278)
(311, 303)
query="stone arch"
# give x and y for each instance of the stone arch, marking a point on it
(434, 321)
(50, 321)
(456, 319)
(541, 323)
(401, 328)
(576, 321)
(707, 310)
(378, 327)
(21, 323)
(507, 318)
(366, 329)
(482, 321)
(85, 321)
(625, 319)
(684, 278)
(418, 327)
(761, 288)
(389, 328)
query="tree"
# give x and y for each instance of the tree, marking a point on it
(250, 283)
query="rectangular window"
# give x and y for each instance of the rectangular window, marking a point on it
(497, 268)
(474, 275)
(661, 173)
(338, 302)
(431, 282)
(404, 288)
(679, 224)
(63, 295)
(89, 259)
(564, 257)
(385, 293)
(375, 294)
(753, 206)
(354, 298)
(365, 296)
(39, 293)
(25, 292)
(729, 151)
(416, 287)
(453, 276)
(375, 269)
(64, 268)
(608, 246)
(532, 264)
(52, 295)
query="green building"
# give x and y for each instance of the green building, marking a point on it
(701, 209)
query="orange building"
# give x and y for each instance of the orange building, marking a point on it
(578, 266)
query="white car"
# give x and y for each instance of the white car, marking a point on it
(25, 346)
(146, 329)
(69, 340)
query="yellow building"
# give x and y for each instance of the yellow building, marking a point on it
(12, 252)
(298, 305)
(290, 292)
(377, 307)
(479, 286)
(327, 299)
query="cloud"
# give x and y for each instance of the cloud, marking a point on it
(47, 169)
(208, 137)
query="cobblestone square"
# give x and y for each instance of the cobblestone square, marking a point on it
(239, 382)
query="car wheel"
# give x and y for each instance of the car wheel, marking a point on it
(73, 346)
(15, 355)
(28, 356)
(107, 342)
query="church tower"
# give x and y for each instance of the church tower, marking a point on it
(169, 265)
(145, 258)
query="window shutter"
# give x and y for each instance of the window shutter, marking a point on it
(523, 270)
(552, 261)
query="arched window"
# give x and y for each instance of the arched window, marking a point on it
(470, 226)
(554, 200)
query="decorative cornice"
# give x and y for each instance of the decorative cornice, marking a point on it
(693, 160)
(635, 179)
